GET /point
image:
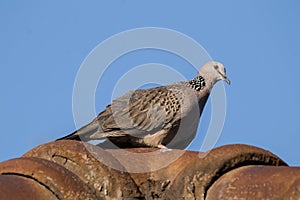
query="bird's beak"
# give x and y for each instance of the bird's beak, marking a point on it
(224, 77)
(227, 80)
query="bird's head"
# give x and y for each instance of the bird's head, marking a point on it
(215, 70)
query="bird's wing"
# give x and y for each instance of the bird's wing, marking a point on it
(139, 112)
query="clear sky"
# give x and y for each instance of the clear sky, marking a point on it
(43, 44)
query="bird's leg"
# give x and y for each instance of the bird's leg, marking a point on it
(160, 146)
(163, 148)
(155, 139)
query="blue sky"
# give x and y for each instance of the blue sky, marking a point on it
(44, 43)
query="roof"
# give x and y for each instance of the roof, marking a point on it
(70, 169)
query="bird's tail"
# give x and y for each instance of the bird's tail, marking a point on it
(82, 134)
(72, 136)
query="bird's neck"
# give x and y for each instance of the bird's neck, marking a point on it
(201, 83)
(198, 83)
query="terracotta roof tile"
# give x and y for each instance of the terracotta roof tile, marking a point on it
(75, 170)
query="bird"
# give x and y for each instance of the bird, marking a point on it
(161, 117)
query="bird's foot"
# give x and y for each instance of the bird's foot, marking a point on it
(163, 148)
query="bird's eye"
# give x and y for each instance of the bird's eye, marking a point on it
(216, 67)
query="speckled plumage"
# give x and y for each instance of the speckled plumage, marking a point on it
(165, 115)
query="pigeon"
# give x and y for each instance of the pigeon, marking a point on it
(161, 117)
